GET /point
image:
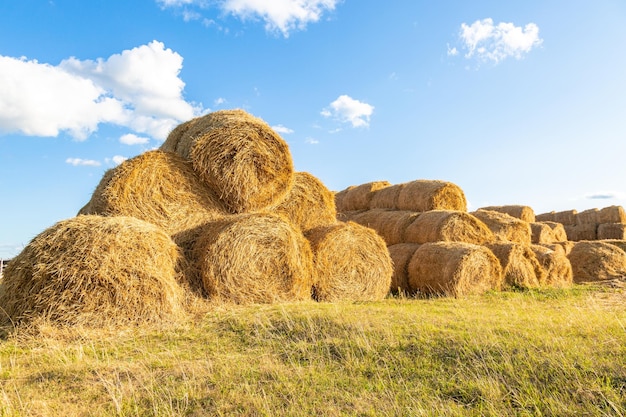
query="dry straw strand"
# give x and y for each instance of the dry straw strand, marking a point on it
(352, 263)
(254, 258)
(454, 269)
(448, 226)
(95, 270)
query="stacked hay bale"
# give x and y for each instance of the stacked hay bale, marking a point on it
(219, 212)
(592, 224)
(597, 261)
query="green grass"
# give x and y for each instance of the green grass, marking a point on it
(532, 353)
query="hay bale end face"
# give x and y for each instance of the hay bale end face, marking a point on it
(597, 261)
(520, 267)
(254, 258)
(389, 224)
(612, 214)
(240, 157)
(447, 226)
(352, 263)
(505, 227)
(358, 197)
(454, 269)
(158, 187)
(426, 195)
(612, 231)
(308, 204)
(95, 270)
(557, 267)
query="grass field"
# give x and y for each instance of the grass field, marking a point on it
(531, 353)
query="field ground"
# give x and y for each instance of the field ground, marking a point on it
(527, 353)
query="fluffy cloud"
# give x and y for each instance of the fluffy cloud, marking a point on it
(138, 89)
(282, 129)
(348, 110)
(82, 162)
(282, 16)
(488, 42)
(131, 139)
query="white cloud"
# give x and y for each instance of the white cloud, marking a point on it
(282, 129)
(118, 159)
(82, 162)
(218, 101)
(282, 16)
(311, 141)
(606, 195)
(348, 110)
(132, 139)
(488, 42)
(139, 89)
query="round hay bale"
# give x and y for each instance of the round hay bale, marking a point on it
(620, 243)
(240, 157)
(505, 227)
(426, 195)
(454, 269)
(519, 212)
(158, 187)
(447, 226)
(172, 142)
(94, 270)
(308, 203)
(386, 198)
(583, 231)
(389, 224)
(358, 197)
(401, 254)
(542, 233)
(560, 235)
(352, 263)
(557, 267)
(597, 261)
(254, 258)
(612, 214)
(520, 267)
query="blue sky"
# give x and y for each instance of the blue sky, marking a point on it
(515, 102)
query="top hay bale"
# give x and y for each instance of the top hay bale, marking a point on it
(505, 227)
(157, 187)
(95, 270)
(611, 214)
(238, 155)
(447, 226)
(358, 197)
(521, 212)
(426, 195)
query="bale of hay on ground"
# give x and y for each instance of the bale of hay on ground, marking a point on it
(620, 243)
(240, 157)
(254, 258)
(566, 217)
(352, 263)
(358, 197)
(587, 217)
(389, 224)
(454, 269)
(426, 195)
(158, 187)
(560, 235)
(597, 261)
(504, 226)
(588, 231)
(94, 271)
(386, 198)
(612, 214)
(401, 254)
(611, 231)
(525, 213)
(520, 267)
(308, 203)
(447, 226)
(542, 233)
(545, 217)
(556, 266)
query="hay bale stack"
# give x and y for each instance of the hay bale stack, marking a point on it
(389, 224)
(239, 156)
(560, 235)
(386, 198)
(352, 263)
(454, 269)
(308, 203)
(519, 212)
(611, 231)
(545, 217)
(583, 231)
(542, 233)
(447, 226)
(564, 247)
(566, 217)
(401, 254)
(597, 261)
(358, 197)
(426, 195)
(504, 226)
(254, 258)
(94, 271)
(158, 187)
(611, 214)
(556, 266)
(587, 217)
(520, 267)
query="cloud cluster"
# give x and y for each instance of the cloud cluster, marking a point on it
(139, 89)
(488, 42)
(606, 195)
(281, 16)
(348, 110)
